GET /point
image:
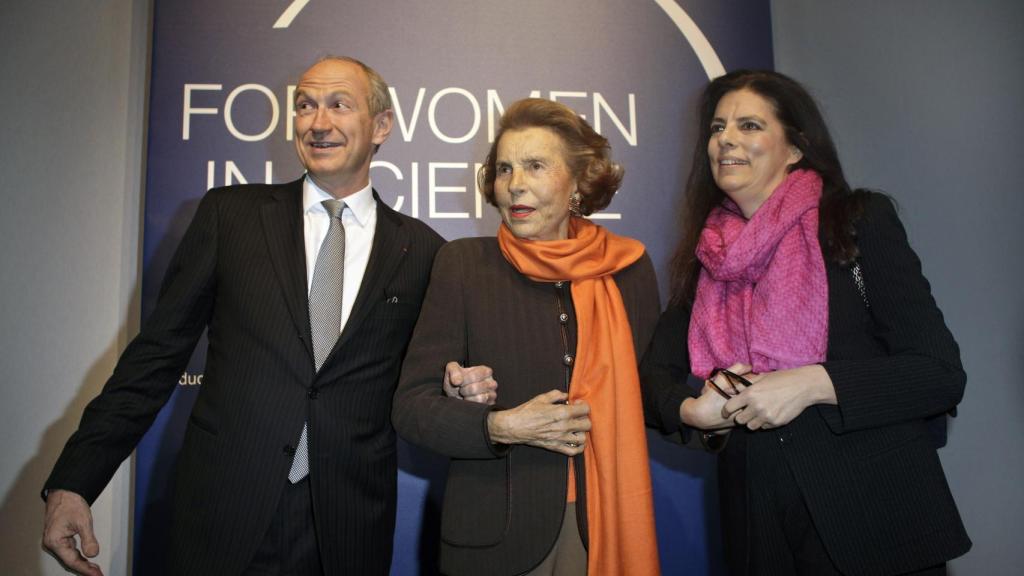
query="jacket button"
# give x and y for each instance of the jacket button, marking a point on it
(313, 393)
(289, 450)
(559, 284)
(563, 317)
(567, 360)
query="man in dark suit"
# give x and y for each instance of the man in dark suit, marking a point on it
(309, 291)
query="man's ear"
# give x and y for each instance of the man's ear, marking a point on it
(382, 125)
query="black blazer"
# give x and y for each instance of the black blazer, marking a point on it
(240, 272)
(867, 468)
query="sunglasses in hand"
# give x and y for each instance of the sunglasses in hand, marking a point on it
(731, 378)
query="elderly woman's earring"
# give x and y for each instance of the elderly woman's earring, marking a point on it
(574, 204)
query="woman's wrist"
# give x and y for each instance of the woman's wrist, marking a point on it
(497, 427)
(686, 411)
(821, 389)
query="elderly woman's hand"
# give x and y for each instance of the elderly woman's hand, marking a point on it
(544, 421)
(475, 383)
(779, 397)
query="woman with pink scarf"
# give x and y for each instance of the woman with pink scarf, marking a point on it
(800, 311)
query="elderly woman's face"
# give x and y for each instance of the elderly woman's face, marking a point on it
(748, 149)
(533, 183)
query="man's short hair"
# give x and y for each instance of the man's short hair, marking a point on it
(379, 97)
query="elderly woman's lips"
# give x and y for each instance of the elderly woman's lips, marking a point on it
(520, 211)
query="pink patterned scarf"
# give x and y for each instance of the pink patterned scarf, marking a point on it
(762, 295)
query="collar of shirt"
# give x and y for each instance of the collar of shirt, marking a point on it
(361, 204)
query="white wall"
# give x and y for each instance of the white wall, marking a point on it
(924, 98)
(72, 114)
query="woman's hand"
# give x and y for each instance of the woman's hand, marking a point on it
(544, 421)
(778, 397)
(475, 383)
(707, 412)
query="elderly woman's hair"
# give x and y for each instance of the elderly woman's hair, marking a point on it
(586, 152)
(804, 128)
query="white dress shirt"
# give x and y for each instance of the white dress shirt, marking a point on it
(360, 220)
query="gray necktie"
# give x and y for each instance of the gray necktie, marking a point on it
(324, 312)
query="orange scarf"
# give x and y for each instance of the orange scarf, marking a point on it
(620, 508)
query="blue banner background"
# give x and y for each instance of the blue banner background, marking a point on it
(220, 70)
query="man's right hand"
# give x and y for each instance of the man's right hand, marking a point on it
(68, 515)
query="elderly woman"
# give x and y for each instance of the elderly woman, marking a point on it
(810, 297)
(555, 478)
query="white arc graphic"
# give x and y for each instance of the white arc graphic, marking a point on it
(289, 14)
(705, 53)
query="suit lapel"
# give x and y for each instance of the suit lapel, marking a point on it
(390, 243)
(282, 227)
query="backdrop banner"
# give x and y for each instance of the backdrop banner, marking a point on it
(223, 76)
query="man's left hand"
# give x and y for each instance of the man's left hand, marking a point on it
(473, 383)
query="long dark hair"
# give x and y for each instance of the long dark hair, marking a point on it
(805, 128)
